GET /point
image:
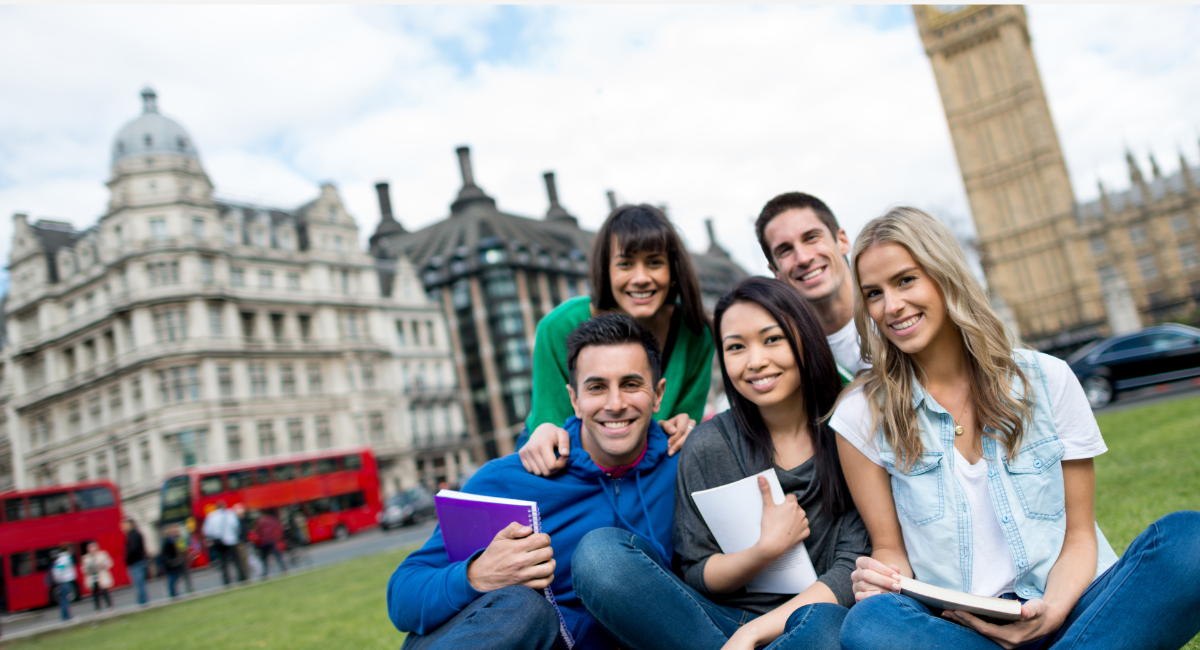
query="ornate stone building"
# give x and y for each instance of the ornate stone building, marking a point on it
(1069, 272)
(183, 329)
(496, 275)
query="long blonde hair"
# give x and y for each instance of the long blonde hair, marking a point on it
(989, 348)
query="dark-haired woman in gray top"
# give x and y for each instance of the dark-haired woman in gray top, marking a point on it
(781, 379)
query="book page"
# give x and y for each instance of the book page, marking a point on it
(733, 514)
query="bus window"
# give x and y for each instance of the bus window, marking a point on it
(320, 506)
(352, 462)
(43, 558)
(307, 468)
(93, 497)
(210, 485)
(348, 501)
(327, 465)
(239, 480)
(176, 499)
(15, 510)
(45, 505)
(21, 563)
(262, 476)
(285, 472)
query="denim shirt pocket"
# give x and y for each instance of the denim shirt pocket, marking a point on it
(1037, 479)
(919, 494)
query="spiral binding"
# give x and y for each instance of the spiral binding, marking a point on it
(536, 524)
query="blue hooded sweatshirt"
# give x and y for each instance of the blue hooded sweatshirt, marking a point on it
(428, 589)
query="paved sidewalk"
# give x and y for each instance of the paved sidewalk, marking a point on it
(207, 582)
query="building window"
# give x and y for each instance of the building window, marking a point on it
(198, 228)
(1099, 246)
(114, 402)
(368, 375)
(237, 276)
(350, 378)
(350, 326)
(345, 281)
(135, 394)
(1147, 266)
(190, 446)
(507, 317)
(207, 275)
(266, 280)
(124, 466)
(225, 381)
(315, 380)
(519, 390)
(170, 325)
(258, 237)
(163, 273)
(74, 419)
(277, 327)
(1137, 235)
(94, 409)
(101, 465)
(295, 435)
(400, 333)
(1180, 223)
(324, 436)
(147, 460)
(500, 283)
(293, 281)
(516, 355)
(460, 294)
(378, 435)
(120, 237)
(266, 438)
(248, 324)
(216, 319)
(179, 384)
(430, 332)
(287, 379)
(305, 321)
(258, 379)
(230, 237)
(158, 228)
(81, 473)
(233, 441)
(1188, 256)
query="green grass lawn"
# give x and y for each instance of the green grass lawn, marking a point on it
(1151, 469)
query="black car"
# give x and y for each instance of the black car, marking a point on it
(411, 506)
(1154, 355)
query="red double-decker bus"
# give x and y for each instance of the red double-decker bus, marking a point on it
(337, 491)
(35, 523)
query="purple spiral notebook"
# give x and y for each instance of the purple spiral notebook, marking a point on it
(469, 522)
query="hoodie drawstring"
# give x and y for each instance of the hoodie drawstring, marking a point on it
(653, 539)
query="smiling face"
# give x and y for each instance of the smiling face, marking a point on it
(806, 255)
(757, 355)
(640, 281)
(615, 397)
(907, 305)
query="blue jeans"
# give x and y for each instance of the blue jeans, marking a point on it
(63, 594)
(629, 590)
(516, 618)
(1149, 599)
(137, 571)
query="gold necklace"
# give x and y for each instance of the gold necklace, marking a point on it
(958, 428)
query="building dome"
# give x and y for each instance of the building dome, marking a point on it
(152, 133)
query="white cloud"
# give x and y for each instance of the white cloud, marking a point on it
(711, 110)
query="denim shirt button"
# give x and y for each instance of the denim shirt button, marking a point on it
(991, 472)
(1005, 519)
(1025, 592)
(1037, 463)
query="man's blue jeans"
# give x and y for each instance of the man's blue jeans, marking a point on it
(516, 618)
(137, 571)
(63, 594)
(628, 589)
(1149, 599)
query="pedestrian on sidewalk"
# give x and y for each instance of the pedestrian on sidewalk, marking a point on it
(221, 527)
(174, 559)
(62, 573)
(97, 567)
(243, 544)
(270, 534)
(135, 558)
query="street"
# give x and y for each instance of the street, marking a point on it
(208, 580)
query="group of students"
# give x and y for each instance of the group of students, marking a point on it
(910, 434)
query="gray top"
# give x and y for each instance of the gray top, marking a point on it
(715, 454)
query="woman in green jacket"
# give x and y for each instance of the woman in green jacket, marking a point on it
(640, 268)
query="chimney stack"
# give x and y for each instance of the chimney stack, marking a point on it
(385, 201)
(464, 165)
(612, 200)
(556, 211)
(470, 192)
(713, 247)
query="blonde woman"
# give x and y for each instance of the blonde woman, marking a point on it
(97, 566)
(970, 463)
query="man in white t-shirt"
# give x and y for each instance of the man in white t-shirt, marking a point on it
(806, 248)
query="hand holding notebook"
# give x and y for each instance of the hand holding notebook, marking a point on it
(515, 556)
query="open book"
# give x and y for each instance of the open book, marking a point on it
(733, 514)
(469, 522)
(942, 598)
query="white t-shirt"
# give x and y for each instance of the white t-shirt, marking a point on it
(1076, 428)
(846, 349)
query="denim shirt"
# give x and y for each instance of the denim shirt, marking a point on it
(1027, 494)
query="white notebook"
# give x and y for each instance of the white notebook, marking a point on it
(733, 514)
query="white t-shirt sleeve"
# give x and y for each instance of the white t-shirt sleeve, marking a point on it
(852, 421)
(1077, 428)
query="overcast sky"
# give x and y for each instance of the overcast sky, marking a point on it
(710, 110)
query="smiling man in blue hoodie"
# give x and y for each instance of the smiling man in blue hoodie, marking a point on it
(619, 475)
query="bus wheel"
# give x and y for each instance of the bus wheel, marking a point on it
(341, 533)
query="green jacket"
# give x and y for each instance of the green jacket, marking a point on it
(688, 372)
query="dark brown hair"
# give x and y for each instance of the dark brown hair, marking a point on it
(819, 383)
(792, 201)
(612, 329)
(645, 228)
